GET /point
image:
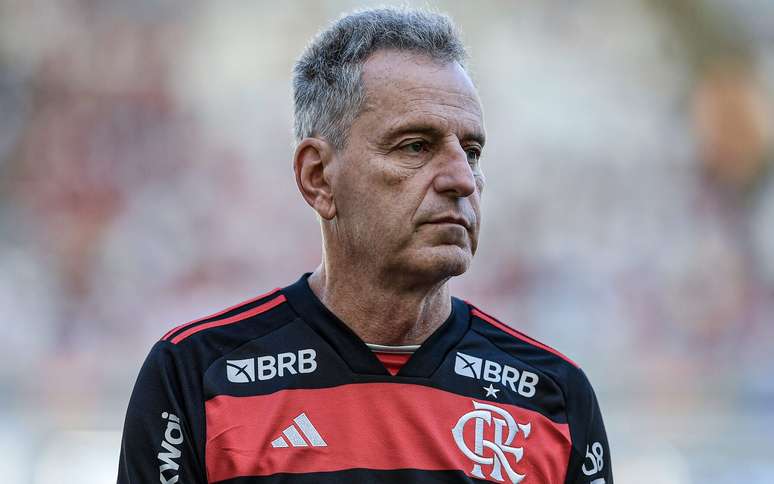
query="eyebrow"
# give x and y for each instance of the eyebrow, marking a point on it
(431, 131)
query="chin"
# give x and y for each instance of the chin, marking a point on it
(444, 262)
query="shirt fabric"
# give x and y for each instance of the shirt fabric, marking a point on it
(279, 390)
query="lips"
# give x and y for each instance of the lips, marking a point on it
(450, 219)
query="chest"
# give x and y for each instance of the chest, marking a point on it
(380, 430)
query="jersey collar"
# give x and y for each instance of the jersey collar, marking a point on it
(354, 350)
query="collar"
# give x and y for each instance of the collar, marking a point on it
(356, 353)
(392, 349)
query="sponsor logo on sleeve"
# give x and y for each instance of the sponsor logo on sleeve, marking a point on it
(169, 467)
(595, 460)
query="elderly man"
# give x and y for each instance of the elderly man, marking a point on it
(367, 370)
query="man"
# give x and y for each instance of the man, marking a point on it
(366, 370)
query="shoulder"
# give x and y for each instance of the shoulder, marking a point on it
(174, 366)
(562, 370)
(228, 327)
(527, 349)
(489, 325)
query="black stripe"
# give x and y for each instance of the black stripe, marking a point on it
(360, 476)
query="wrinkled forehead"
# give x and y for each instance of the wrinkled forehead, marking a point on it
(400, 83)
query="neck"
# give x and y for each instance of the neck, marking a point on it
(379, 312)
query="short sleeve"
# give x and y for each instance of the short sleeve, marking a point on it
(590, 456)
(159, 438)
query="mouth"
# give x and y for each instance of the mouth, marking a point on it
(450, 219)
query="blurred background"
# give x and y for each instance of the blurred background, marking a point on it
(145, 180)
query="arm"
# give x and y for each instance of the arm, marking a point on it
(590, 455)
(159, 441)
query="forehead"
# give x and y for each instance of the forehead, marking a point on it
(403, 86)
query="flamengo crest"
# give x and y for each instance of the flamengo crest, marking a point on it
(491, 452)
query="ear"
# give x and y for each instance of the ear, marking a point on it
(311, 163)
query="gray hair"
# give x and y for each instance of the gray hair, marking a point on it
(327, 87)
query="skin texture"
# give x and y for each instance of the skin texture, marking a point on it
(399, 204)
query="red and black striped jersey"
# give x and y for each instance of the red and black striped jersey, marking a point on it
(279, 390)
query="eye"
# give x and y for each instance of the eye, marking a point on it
(474, 154)
(416, 147)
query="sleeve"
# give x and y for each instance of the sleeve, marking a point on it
(159, 439)
(590, 455)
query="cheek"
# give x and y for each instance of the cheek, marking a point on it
(370, 208)
(480, 181)
(396, 177)
(396, 191)
(379, 198)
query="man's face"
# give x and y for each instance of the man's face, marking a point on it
(407, 186)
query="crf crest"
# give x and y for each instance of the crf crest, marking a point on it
(495, 452)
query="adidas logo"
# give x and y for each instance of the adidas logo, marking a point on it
(293, 434)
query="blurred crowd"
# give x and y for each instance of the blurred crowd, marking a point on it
(628, 217)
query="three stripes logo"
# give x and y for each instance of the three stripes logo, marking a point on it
(293, 434)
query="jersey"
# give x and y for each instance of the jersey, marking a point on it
(279, 390)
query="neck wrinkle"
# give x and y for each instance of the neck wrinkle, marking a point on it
(379, 312)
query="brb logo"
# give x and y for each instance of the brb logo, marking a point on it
(495, 452)
(269, 366)
(523, 382)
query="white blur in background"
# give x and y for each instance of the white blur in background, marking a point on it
(628, 218)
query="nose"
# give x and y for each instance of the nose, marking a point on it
(455, 175)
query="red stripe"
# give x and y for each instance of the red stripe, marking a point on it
(233, 319)
(393, 361)
(175, 329)
(520, 335)
(372, 426)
